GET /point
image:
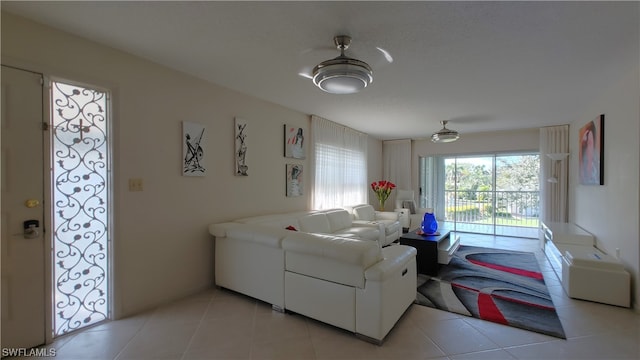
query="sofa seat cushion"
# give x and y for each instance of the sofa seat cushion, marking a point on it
(332, 258)
(361, 232)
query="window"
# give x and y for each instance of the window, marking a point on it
(340, 165)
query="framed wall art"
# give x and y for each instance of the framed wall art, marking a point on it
(294, 142)
(193, 149)
(294, 180)
(591, 152)
(240, 152)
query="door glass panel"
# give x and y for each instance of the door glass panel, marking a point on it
(469, 193)
(81, 202)
(490, 194)
(517, 193)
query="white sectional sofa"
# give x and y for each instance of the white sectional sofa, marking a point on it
(337, 278)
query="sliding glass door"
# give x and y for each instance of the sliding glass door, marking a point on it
(487, 194)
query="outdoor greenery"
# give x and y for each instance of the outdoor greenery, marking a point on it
(469, 192)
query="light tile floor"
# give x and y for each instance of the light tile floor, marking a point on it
(219, 324)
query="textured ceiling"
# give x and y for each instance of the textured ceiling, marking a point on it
(481, 65)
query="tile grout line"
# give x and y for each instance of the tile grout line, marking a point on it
(200, 322)
(136, 334)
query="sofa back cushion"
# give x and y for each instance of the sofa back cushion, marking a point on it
(339, 219)
(409, 204)
(330, 258)
(280, 221)
(364, 212)
(256, 233)
(315, 223)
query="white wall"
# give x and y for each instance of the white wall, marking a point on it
(162, 249)
(612, 212)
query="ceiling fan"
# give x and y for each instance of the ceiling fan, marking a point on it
(343, 74)
(445, 135)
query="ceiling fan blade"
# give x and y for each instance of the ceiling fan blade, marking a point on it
(306, 72)
(310, 57)
(386, 54)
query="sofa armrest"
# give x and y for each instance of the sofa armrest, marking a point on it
(220, 229)
(395, 257)
(387, 215)
(405, 217)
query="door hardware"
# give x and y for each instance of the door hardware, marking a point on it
(31, 203)
(31, 229)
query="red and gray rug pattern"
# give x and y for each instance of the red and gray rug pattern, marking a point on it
(502, 286)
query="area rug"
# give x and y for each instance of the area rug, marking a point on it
(497, 285)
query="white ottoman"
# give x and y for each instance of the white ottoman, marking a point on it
(590, 274)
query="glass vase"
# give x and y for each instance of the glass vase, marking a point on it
(429, 223)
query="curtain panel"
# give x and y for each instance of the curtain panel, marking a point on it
(396, 164)
(339, 163)
(553, 195)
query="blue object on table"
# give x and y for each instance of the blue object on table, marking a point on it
(429, 223)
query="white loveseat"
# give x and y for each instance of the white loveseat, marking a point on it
(365, 214)
(344, 281)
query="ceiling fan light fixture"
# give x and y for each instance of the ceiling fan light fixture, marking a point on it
(445, 135)
(342, 75)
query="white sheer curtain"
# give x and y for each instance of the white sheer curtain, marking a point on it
(396, 165)
(553, 195)
(432, 181)
(339, 165)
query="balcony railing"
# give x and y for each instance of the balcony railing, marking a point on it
(499, 208)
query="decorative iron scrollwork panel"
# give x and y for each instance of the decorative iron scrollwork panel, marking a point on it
(80, 221)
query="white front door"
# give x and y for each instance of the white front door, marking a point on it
(23, 252)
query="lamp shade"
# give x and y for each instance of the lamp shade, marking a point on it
(556, 157)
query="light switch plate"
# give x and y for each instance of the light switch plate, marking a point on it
(135, 184)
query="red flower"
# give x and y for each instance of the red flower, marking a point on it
(382, 189)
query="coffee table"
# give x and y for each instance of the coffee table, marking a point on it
(433, 250)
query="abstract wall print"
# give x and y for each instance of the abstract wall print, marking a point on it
(294, 142)
(193, 146)
(591, 152)
(241, 147)
(294, 180)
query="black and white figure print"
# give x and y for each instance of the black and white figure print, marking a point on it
(193, 146)
(294, 180)
(294, 142)
(241, 148)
